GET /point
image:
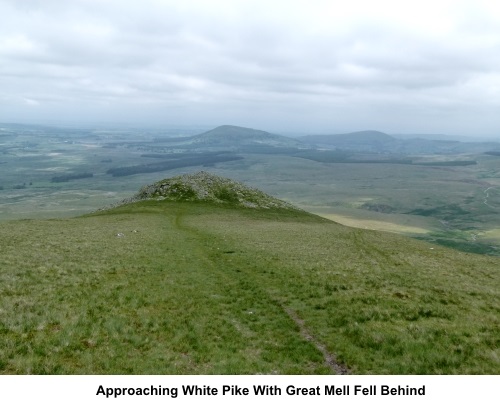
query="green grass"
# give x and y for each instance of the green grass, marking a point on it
(194, 288)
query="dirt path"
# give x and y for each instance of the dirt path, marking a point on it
(216, 271)
(330, 359)
(487, 195)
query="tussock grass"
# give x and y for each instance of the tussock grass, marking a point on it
(383, 303)
(193, 288)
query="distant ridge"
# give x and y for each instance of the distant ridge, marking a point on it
(379, 142)
(207, 187)
(359, 137)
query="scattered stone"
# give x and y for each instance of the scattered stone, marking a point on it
(207, 187)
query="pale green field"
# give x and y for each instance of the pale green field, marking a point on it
(396, 223)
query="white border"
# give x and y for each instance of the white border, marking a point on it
(77, 390)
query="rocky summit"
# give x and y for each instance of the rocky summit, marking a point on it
(207, 187)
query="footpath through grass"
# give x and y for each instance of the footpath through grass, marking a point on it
(382, 303)
(190, 288)
(76, 298)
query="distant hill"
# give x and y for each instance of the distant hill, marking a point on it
(234, 136)
(231, 138)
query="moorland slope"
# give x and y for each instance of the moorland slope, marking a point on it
(190, 285)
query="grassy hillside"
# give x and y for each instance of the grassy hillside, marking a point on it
(163, 287)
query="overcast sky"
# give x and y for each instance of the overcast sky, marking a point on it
(285, 66)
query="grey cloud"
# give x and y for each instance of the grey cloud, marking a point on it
(157, 53)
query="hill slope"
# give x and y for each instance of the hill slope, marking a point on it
(207, 187)
(376, 138)
(234, 136)
(206, 287)
(380, 142)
